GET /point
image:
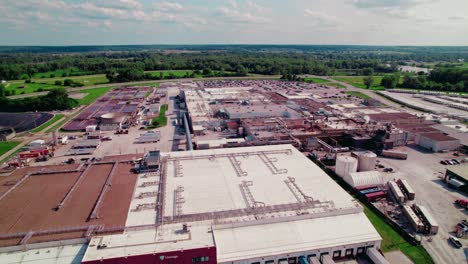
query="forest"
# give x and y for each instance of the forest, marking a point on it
(56, 99)
(129, 63)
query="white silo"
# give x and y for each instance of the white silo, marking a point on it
(366, 161)
(345, 165)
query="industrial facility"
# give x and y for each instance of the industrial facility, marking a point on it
(210, 206)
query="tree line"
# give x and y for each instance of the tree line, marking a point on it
(56, 99)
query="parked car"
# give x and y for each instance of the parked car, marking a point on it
(449, 162)
(461, 202)
(456, 161)
(388, 170)
(106, 138)
(455, 241)
(443, 162)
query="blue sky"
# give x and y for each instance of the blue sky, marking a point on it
(105, 22)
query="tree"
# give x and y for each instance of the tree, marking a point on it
(58, 83)
(2, 90)
(368, 81)
(367, 71)
(68, 82)
(111, 75)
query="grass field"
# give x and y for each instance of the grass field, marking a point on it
(6, 146)
(92, 95)
(393, 241)
(48, 123)
(358, 81)
(29, 87)
(86, 80)
(161, 120)
(358, 94)
(58, 73)
(316, 80)
(57, 125)
(324, 82)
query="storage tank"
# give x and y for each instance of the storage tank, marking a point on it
(366, 161)
(345, 165)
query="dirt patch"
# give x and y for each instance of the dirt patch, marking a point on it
(77, 95)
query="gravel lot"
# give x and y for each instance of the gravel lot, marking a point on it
(422, 170)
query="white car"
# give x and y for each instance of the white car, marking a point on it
(455, 241)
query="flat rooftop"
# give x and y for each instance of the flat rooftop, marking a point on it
(246, 202)
(218, 180)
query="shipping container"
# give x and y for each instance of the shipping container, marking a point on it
(427, 216)
(407, 189)
(314, 260)
(372, 197)
(394, 154)
(413, 219)
(373, 190)
(396, 191)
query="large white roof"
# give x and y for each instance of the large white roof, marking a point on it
(212, 183)
(257, 241)
(248, 197)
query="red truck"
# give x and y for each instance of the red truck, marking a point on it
(462, 203)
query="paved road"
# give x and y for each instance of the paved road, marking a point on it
(256, 77)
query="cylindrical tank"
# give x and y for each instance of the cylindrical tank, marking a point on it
(366, 161)
(345, 165)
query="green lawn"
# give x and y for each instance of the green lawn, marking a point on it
(28, 87)
(358, 81)
(6, 146)
(324, 82)
(161, 120)
(59, 73)
(86, 80)
(48, 123)
(316, 80)
(92, 94)
(359, 94)
(393, 241)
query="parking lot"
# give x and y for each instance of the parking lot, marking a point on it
(422, 170)
(124, 143)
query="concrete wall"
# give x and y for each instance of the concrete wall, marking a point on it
(174, 257)
(436, 146)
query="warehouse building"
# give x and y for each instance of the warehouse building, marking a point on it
(437, 142)
(267, 204)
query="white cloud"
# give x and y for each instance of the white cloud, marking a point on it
(168, 7)
(234, 13)
(320, 18)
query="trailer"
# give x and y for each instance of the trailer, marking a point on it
(376, 257)
(372, 197)
(407, 189)
(327, 259)
(396, 191)
(413, 219)
(432, 225)
(394, 154)
(314, 260)
(303, 260)
(372, 190)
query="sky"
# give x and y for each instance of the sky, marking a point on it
(123, 22)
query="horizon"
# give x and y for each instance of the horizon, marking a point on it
(236, 22)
